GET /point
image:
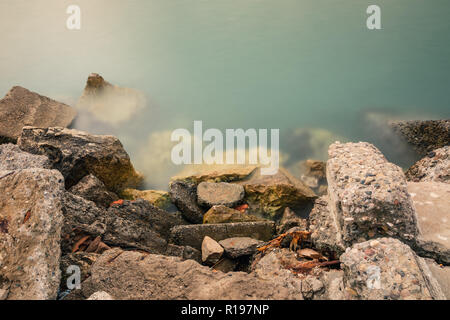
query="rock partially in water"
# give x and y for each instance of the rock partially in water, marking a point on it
(386, 268)
(30, 233)
(227, 194)
(184, 195)
(13, 158)
(434, 167)
(289, 220)
(21, 107)
(77, 154)
(424, 136)
(193, 235)
(240, 246)
(432, 202)
(222, 214)
(128, 275)
(92, 189)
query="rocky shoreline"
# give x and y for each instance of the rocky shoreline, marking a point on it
(353, 228)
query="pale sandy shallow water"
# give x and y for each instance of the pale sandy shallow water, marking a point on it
(287, 64)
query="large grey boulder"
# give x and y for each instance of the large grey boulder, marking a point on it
(13, 158)
(432, 203)
(368, 195)
(192, 235)
(30, 233)
(77, 154)
(424, 136)
(21, 107)
(434, 167)
(91, 188)
(128, 275)
(386, 268)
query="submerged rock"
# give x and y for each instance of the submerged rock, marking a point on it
(432, 203)
(386, 268)
(30, 233)
(13, 158)
(222, 214)
(434, 167)
(91, 188)
(77, 154)
(211, 194)
(193, 235)
(424, 136)
(21, 107)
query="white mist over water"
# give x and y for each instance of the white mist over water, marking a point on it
(308, 67)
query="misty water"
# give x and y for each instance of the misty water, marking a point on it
(308, 67)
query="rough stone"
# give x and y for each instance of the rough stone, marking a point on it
(211, 251)
(183, 252)
(222, 214)
(424, 136)
(91, 188)
(77, 154)
(83, 260)
(184, 196)
(192, 235)
(386, 268)
(138, 276)
(325, 234)
(21, 107)
(434, 167)
(441, 274)
(240, 246)
(138, 224)
(82, 218)
(227, 194)
(368, 196)
(432, 203)
(269, 195)
(12, 158)
(226, 265)
(100, 295)
(30, 233)
(158, 198)
(212, 173)
(289, 220)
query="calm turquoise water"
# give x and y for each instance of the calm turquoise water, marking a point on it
(237, 63)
